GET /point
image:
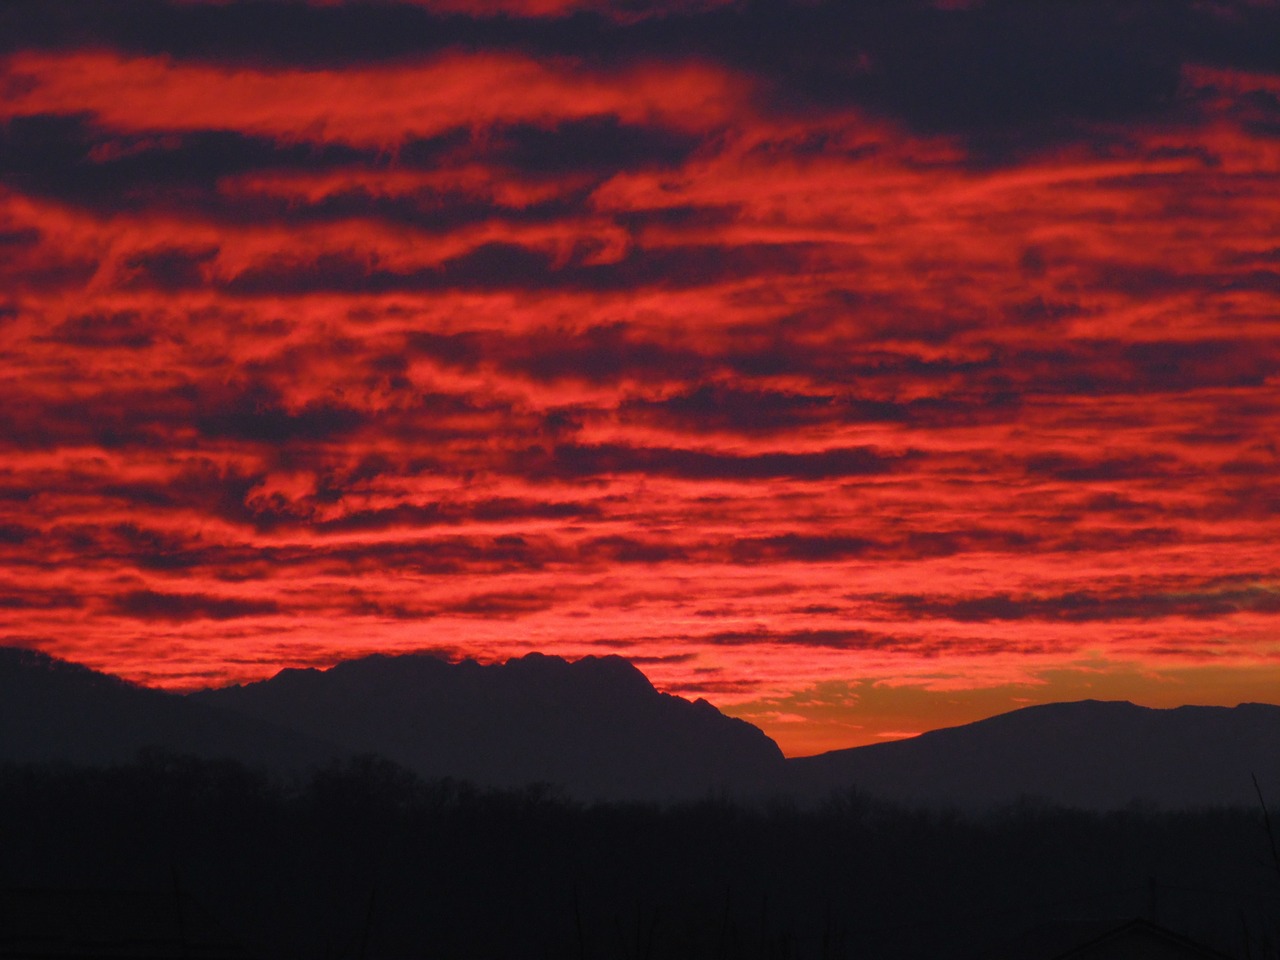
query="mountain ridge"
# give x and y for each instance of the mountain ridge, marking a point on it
(1094, 754)
(597, 729)
(595, 726)
(56, 710)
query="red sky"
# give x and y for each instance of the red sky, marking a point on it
(861, 367)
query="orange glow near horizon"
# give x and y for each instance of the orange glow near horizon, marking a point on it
(854, 415)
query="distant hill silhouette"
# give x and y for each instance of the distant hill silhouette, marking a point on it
(1090, 754)
(55, 711)
(595, 728)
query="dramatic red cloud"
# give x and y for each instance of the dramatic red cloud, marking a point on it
(855, 400)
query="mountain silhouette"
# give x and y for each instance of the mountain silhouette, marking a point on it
(595, 728)
(55, 711)
(1090, 754)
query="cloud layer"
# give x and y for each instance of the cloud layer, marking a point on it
(924, 345)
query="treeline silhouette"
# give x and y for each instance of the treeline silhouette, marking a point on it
(364, 860)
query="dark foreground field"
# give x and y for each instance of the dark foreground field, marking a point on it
(364, 860)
